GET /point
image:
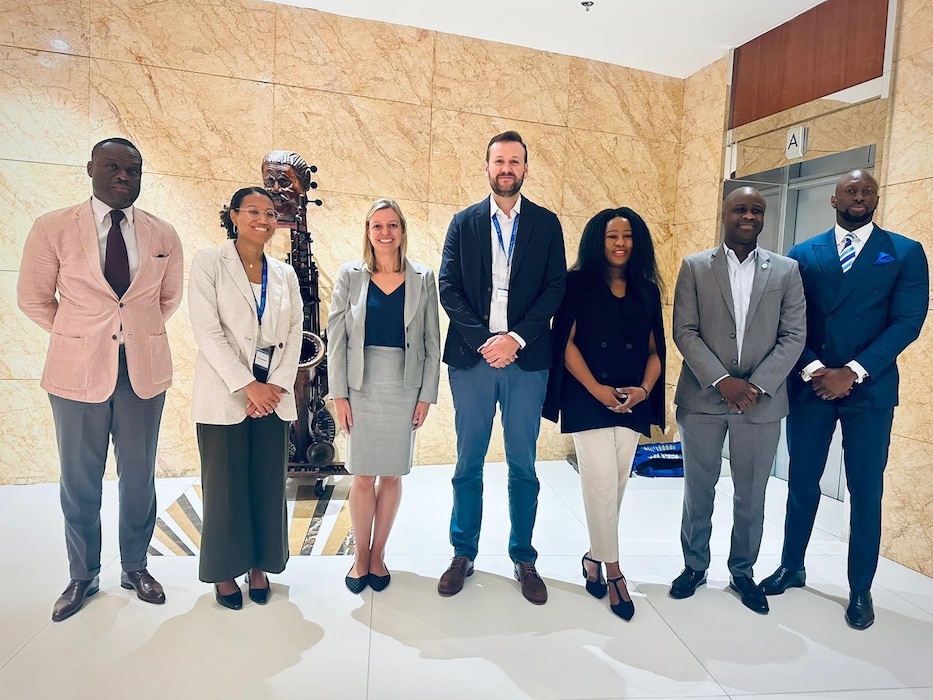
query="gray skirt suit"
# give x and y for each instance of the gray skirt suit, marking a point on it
(382, 384)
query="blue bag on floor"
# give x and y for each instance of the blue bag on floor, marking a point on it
(659, 459)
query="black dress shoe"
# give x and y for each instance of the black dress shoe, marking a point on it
(782, 579)
(73, 597)
(147, 588)
(751, 595)
(379, 583)
(861, 613)
(234, 601)
(356, 585)
(258, 595)
(687, 583)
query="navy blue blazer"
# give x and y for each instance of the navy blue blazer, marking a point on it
(536, 286)
(869, 314)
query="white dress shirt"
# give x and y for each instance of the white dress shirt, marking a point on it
(502, 267)
(741, 279)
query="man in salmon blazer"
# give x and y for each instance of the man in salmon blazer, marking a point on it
(103, 277)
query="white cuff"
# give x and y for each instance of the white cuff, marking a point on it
(810, 369)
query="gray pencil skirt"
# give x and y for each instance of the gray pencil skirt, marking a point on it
(381, 440)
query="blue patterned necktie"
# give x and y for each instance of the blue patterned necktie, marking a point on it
(847, 256)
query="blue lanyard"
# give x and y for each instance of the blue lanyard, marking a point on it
(261, 304)
(495, 222)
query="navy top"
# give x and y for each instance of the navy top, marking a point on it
(385, 317)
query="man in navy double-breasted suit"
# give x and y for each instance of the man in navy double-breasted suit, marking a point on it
(501, 280)
(867, 294)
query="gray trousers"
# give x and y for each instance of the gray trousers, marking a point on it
(83, 431)
(751, 453)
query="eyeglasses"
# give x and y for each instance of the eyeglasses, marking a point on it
(255, 213)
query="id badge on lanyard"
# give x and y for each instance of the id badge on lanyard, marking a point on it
(502, 293)
(262, 360)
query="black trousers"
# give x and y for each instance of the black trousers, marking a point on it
(243, 481)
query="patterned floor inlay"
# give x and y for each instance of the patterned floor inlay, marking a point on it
(317, 525)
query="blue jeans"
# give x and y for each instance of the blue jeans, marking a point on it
(520, 395)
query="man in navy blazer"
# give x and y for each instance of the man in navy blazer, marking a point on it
(867, 294)
(501, 280)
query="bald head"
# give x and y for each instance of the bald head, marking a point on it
(855, 199)
(743, 216)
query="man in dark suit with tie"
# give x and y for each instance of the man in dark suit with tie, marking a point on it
(102, 278)
(501, 280)
(739, 322)
(867, 293)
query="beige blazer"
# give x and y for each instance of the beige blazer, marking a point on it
(226, 329)
(62, 257)
(346, 331)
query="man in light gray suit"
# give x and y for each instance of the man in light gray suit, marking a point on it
(740, 324)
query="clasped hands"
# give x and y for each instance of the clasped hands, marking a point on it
(261, 399)
(619, 399)
(500, 350)
(738, 394)
(834, 383)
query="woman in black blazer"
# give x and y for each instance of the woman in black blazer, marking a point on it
(608, 379)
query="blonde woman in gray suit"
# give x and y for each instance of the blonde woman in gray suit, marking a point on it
(383, 365)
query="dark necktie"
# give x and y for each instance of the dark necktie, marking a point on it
(116, 263)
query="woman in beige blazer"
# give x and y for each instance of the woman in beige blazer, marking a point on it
(246, 313)
(383, 364)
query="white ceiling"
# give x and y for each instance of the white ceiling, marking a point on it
(672, 37)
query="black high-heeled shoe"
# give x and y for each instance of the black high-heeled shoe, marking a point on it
(624, 608)
(234, 601)
(258, 595)
(598, 588)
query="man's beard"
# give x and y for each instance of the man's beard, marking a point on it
(506, 192)
(853, 219)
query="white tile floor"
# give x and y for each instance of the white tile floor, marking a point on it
(317, 640)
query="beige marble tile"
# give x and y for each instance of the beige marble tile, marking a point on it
(910, 154)
(458, 158)
(436, 442)
(33, 460)
(353, 56)
(204, 36)
(47, 25)
(706, 100)
(184, 123)
(914, 415)
(44, 110)
(360, 145)
(178, 446)
(609, 168)
(915, 28)
(500, 80)
(692, 238)
(903, 208)
(620, 100)
(28, 190)
(24, 343)
(699, 179)
(907, 526)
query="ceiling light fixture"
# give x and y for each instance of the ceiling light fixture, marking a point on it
(587, 4)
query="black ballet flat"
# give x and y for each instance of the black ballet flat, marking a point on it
(597, 589)
(356, 585)
(258, 595)
(379, 583)
(624, 608)
(234, 601)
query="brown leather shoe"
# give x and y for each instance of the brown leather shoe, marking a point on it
(147, 588)
(73, 598)
(533, 587)
(451, 582)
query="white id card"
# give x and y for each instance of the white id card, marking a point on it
(502, 295)
(261, 363)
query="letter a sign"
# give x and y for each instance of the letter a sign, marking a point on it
(796, 144)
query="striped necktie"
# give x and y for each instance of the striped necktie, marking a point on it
(847, 256)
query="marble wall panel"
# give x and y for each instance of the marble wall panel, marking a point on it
(203, 36)
(27, 435)
(692, 238)
(458, 158)
(24, 343)
(46, 25)
(699, 179)
(28, 190)
(183, 123)
(795, 115)
(469, 75)
(620, 100)
(603, 167)
(178, 446)
(43, 106)
(353, 56)
(360, 145)
(910, 153)
(914, 416)
(915, 27)
(706, 100)
(902, 215)
(907, 535)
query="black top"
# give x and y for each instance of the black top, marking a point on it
(612, 336)
(385, 317)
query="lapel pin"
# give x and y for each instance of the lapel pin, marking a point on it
(764, 266)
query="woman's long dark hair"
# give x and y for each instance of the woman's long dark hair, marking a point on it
(235, 201)
(591, 256)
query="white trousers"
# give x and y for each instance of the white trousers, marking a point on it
(604, 456)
